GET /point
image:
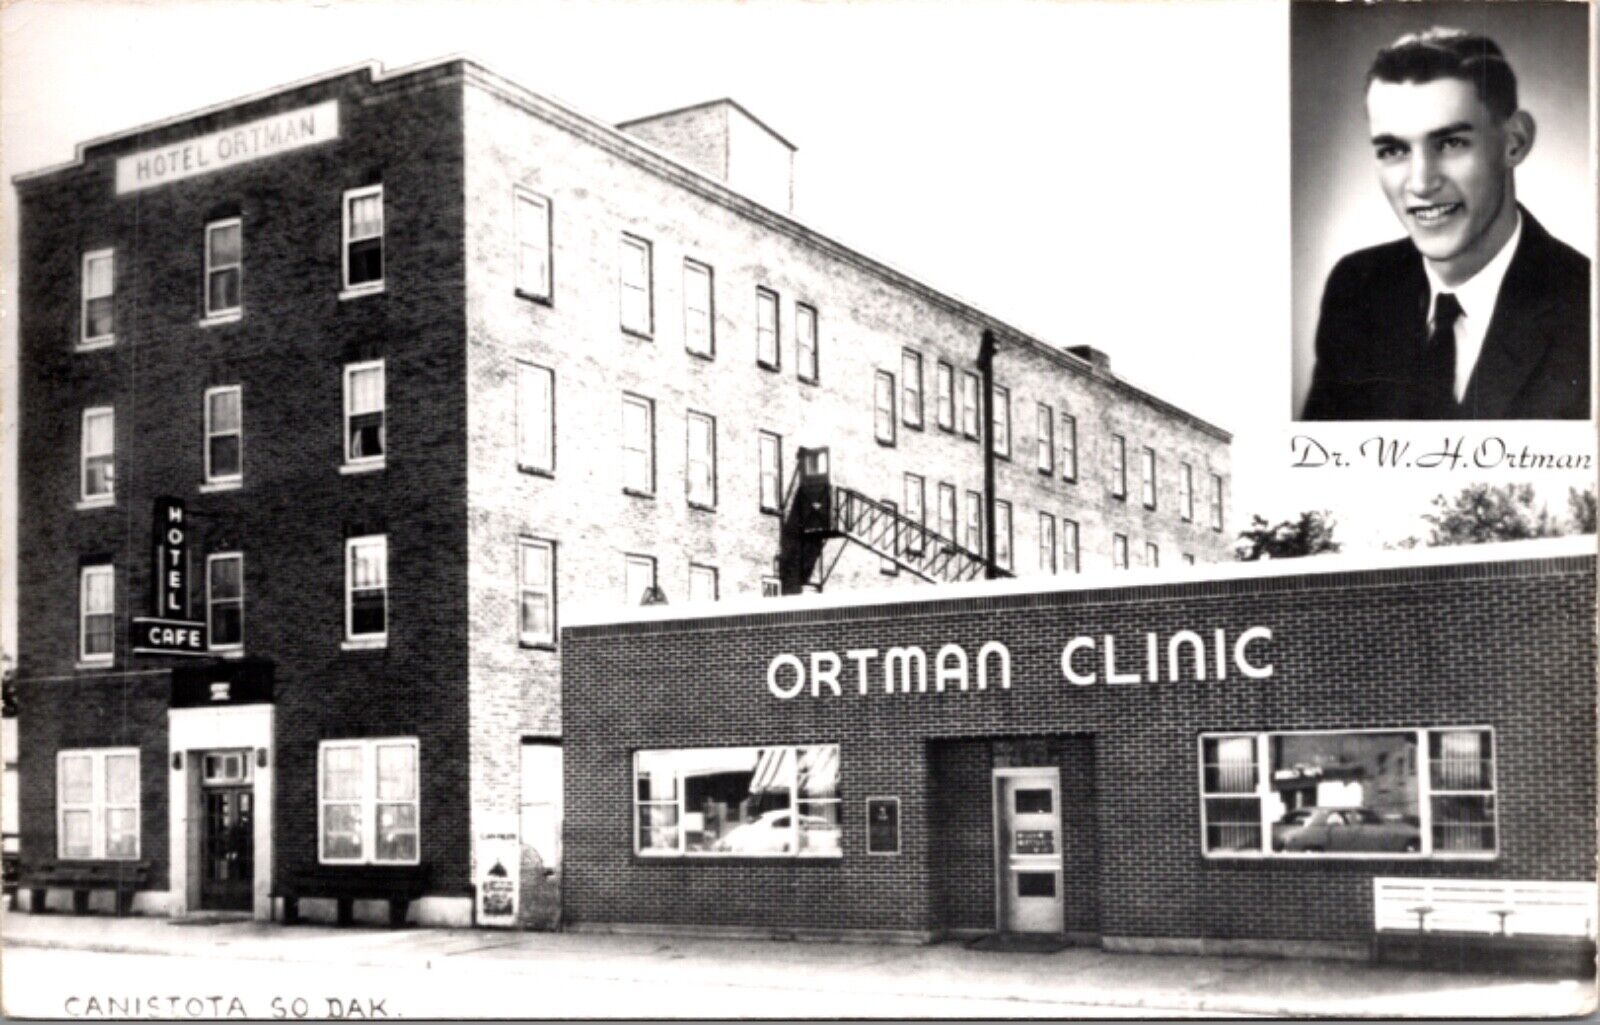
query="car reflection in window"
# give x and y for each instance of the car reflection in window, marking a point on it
(1345, 830)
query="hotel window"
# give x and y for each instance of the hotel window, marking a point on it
(363, 239)
(767, 328)
(1188, 560)
(1047, 543)
(98, 483)
(224, 267)
(883, 404)
(771, 587)
(916, 512)
(224, 435)
(702, 583)
(771, 469)
(1070, 561)
(366, 591)
(738, 802)
(974, 531)
(225, 601)
(97, 804)
(911, 388)
(638, 304)
(536, 418)
(947, 512)
(1186, 492)
(1002, 534)
(807, 362)
(533, 245)
(638, 578)
(1119, 551)
(367, 810)
(1000, 398)
(1045, 438)
(969, 404)
(700, 469)
(1069, 447)
(945, 395)
(97, 598)
(98, 325)
(536, 591)
(364, 436)
(886, 565)
(1152, 555)
(1352, 794)
(1119, 466)
(699, 318)
(1147, 484)
(638, 445)
(1216, 502)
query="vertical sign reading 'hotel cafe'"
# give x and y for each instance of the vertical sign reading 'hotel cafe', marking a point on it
(170, 631)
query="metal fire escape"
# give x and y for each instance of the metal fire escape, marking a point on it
(817, 511)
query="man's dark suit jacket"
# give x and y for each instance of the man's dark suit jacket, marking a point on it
(1374, 327)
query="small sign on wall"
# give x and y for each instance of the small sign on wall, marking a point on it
(497, 870)
(883, 825)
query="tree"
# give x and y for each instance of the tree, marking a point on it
(1311, 534)
(1581, 510)
(1481, 513)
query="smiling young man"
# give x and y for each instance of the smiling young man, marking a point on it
(1479, 314)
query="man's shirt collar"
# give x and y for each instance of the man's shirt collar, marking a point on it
(1478, 293)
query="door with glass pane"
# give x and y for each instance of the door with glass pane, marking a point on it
(1028, 849)
(227, 838)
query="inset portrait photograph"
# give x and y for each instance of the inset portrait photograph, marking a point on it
(1443, 211)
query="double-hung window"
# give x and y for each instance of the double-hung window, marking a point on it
(1119, 466)
(883, 408)
(367, 802)
(699, 315)
(224, 435)
(97, 600)
(916, 512)
(947, 512)
(536, 418)
(911, 388)
(224, 267)
(700, 468)
(1119, 551)
(1045, 438)
(1069, 447)
(1000, 421)
(969, 404)
(702, 583)
(533, 222)
(738, 802)
(638, 578)
(364, 434)
(887, 565)
(366, 591)
(1216, 502)
(1002, 534)
(1152, 555)
(225, 601)
(771, 470)
(806, 358)
(363, 239)
(96, 317)
(1070, 562)
(1186, 493)
(97, 804)
(974, 532)
(766, 328)
(638, 304)
(638, 445)
(945, 395)
(98, 476)
(1047, 543)
(536, 591)
(1147, 483)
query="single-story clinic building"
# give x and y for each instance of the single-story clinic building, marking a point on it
(1237, 758)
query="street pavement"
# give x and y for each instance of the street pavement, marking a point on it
(106, 967)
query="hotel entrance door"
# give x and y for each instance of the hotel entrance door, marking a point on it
(227, 840)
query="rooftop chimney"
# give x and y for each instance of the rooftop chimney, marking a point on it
(1094, 357)
(722, 140)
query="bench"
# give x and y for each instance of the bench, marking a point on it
(122, 877)
(345, 884)
(1492, 924)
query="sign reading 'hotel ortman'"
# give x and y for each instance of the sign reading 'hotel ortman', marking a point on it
(280, 133)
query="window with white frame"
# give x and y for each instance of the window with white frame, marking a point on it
(1147, 483)
(947, 512)
(1047, 543)
(969, 404)
(1069, 447)
(638, 304)
(366, 591)
(771, 587)
(1152, 555)
(1002, 534)
(97, 319)
(224, 267)
(97, 804)
(224, 434)
(771, 470)
(700, 469)
(536, 591)
(97, 600)
(699, 317)
(363, 239)
(973, 541)
(916, 512)
(1119, 551)
(883, 408)
(886, 565)
(533, 224)
(945, 395)
(638, 578)
(911, 388)
(1216, 502)
(364, 434)
(536, 418)
(767, 328)
(1045, 438)
(1353, 793)
(98, 478)
(225, 601)
(367, 802)
(778, 801)
(638, 445)
(1186, 493)
(702, 583)
(1000, 399)
(806, 357)
(1070, 561)
(1119, 466)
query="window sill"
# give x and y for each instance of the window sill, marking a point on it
(212, 487)
(91, 344)
(94, 663)
(229, 653)
(769, 367)
(225, 317)
(527, 645)
(1149, 507)
(910, 426)
(534, 297)
(372, 467)
(646, 336)
(357, 291)
(639, 494)
(884, 444)
(364, 643)
(704, 357)
(813, 381)
(768, 510)
(824, 857)
(702, 506)
(103, 502)
(536, 471)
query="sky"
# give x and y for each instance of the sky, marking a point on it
(1105, 173)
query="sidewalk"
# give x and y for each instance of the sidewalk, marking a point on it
(1037, 984)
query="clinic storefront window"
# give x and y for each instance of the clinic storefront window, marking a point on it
(1363, 793)
(780, 801)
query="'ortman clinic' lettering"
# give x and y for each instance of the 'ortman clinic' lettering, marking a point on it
(906, 670)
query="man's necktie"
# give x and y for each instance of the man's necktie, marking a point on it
(1439, 360)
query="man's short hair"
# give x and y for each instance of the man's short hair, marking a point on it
(1450, 53)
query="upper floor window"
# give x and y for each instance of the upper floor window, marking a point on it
(98, 475)
(807, 361)
(883, 403)
(638, 445)
(887, 565)
(1047, 543)
(97, 804)
(702, 583)
(364, 443)
(911, 388)
(1216, 502)
(638, 304)
(1188, 560)
(1002, 534)
(225, 601)
(536, 591)
(974, 532)
(947, 512)
(536, 418)
(700, 469)
(1069, 447)
(366, 591)
(699, 318)
(1001, 399)
(945, 399)
(767, 328)
(916, 512)
(533, 244)
(1186, 492)
(224, 267)
(224, 435)
(1147, 482)
(771, 587)
(97, 602)
(99, 286)
(969, 404)
(1119, 466)
(638, 578)
(1070, 562)
(367, 802)
(1045, 438)
(363, 239)
(771, 470)
(1152, 555)
(1119, 551)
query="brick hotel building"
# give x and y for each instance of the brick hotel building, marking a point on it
(415, 359)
